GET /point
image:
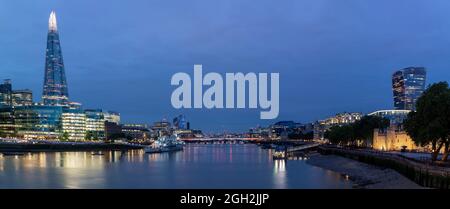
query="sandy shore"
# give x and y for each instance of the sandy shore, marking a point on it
(363, 175)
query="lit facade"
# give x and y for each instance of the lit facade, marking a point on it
(111, 116)
(10, 97)
(407, 86)
(180, 122)
(38, 121)
(392, 139)
(7, 126)
(22, 97)
(343, 118)
(55, 85)
(73, 124)
(95, 124)
(135, 131)
(161, 128)
(321, 126)
(5, 93)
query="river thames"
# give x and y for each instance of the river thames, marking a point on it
(200, 166)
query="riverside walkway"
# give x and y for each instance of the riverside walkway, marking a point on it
(425, 174)
(302, 147)
(8, 145)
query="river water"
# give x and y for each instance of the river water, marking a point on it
(198, 166)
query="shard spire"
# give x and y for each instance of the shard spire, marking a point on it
(55, 84)
(52, 26)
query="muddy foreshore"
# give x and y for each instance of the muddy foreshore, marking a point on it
(363, 175)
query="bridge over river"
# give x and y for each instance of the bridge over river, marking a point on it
(236, 140)
(220, 140)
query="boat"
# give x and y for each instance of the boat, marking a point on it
(165, 144)
(279, 153)
(97, 153)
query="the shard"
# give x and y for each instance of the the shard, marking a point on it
(55, 84)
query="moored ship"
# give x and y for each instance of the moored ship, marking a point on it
(165, 144)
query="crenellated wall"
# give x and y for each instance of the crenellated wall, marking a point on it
(393, 140)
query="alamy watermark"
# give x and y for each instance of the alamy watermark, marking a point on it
(213, 97)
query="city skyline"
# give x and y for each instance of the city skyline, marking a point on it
(105, 72)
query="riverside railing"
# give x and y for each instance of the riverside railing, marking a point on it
(423, 174)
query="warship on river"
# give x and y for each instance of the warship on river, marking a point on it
(165, 144)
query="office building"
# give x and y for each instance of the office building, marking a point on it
(180, 122)
(5, 93)
(136, 131)
(7, 126)
(407, 86)
(95, 124)
(38, 121)
(112, 116)
(73, 121)
(22, 97)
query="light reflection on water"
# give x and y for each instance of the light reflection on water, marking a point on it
(279, 174)
(198, 166)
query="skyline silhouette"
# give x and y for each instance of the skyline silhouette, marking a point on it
(331, 56)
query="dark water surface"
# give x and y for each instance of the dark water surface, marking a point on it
(198, 166)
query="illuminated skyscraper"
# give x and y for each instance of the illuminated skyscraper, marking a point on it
(407, 85)
(180, 122)
(55, 85)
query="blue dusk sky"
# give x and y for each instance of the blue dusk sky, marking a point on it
(332, 56)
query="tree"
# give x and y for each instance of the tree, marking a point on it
(64, 136)
(88, 135)
(430, 123)
(95, 136)
(341, 134)
(364, 127)
(361, 130)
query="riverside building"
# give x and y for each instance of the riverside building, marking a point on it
(10, 97)
(321, 126)
(38, 121)
(22, 97)
(55, 118)
(73, 125)
(7, 126)
(95, 124)
(112, 116)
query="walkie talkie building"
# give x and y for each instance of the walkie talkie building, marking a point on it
(407, 85)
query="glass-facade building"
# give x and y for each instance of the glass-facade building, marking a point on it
(5, 93)
(55, 118)
(407, 86)
(55, 85)
(73, 124)
(180, 122)
(95, 124)
(9, 97)
(52, 122)
(7, 126)
(22, 97)
(38, 121)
